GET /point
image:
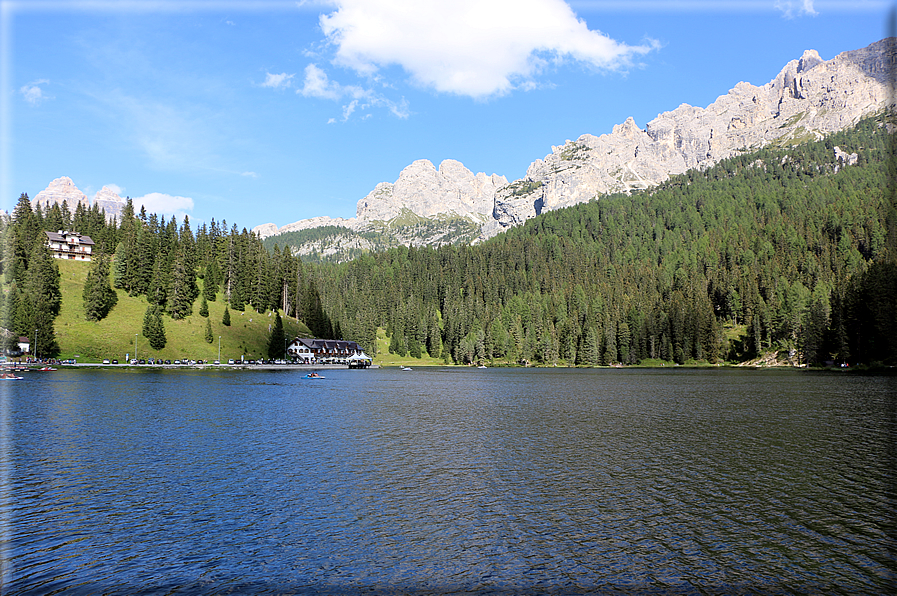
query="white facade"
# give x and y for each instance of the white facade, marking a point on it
(70, 245)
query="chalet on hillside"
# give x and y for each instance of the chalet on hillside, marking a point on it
(70, 245)
(328, 351)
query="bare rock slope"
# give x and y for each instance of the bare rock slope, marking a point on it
(808, 99)
(421, 190)
(61, 190)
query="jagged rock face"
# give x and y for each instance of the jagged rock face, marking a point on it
(806, 100)
(421, 189)
(270, 229)
(809, 98)
(109, 201)
(426, 191)
(59, 191)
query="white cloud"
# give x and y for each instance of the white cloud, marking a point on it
(116, 189)
(277, 81)
(477, 48)
(157, 202)
(250, 174)
(791, 8)
(318, 84)
(32, 92)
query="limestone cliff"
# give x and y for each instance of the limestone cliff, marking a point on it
(109, 201)
(59, 191)
(421, 191)
(808, 99)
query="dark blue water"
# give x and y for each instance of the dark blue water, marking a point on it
(449, 481)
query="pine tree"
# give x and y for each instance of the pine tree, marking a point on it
(210, 281)
(153, 328)
(42, 278)
(181, 288)
(209, 337)
(225, 319)
(98, 295)
(236, 297)
(204, 308)
(277, 339)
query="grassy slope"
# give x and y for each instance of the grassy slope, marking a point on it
(113, 337)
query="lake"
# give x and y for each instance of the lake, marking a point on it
(443, 481)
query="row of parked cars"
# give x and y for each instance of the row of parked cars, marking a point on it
(194, 362)
(160, 361)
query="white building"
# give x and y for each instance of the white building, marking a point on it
(328, 351)
(70, 245)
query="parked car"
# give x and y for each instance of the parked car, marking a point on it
(230, 361)
(177, 361)
(168, 362)
(106, 361)
(115, 362)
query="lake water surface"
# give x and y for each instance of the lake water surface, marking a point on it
(497, 481)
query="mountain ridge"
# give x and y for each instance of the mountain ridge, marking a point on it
(809, 98)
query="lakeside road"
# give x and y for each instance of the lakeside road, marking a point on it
(236, 366)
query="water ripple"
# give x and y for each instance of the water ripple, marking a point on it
(451, 481)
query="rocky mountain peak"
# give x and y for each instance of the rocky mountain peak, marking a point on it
(109, 201)
(809, 98)
(427, 191)
(806, 100)
(58, 191)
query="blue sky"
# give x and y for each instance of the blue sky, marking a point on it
(273, 111)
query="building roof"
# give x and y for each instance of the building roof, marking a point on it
(63, 237)
(328, 344)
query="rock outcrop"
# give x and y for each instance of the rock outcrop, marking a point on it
(64, 190)
(806, 100)
(109, 201)
(426, 191)
(421, 190)
(59, 191)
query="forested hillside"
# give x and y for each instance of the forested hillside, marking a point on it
(793, 246)
(154, 258)
(789, 250)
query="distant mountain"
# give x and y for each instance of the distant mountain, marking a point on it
(807, 100)
(61, 190)
(424, 206)
(64, 190)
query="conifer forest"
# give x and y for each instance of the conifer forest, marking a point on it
(781, 249)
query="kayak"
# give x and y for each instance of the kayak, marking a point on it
(313, 376)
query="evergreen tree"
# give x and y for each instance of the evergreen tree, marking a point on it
(42, 279)
(182, 288)
(225, 318)
(210, 281)
(203, 307)
(236, 297)
(209, 337)
(277, 339)
(153, 328)
(98, 295)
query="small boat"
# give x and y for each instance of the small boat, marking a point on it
(482, 366)
(314, 376)
(43, 369)
(406, 368)
(9, 377)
